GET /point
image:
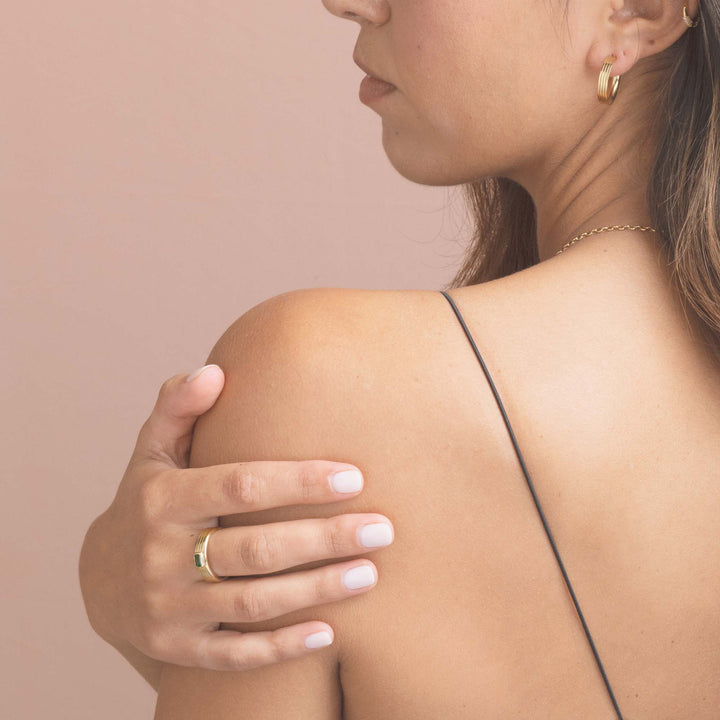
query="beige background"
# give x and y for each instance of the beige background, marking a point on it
(164, 166)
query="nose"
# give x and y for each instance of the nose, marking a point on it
(376, 12)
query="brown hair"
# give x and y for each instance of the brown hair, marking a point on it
(683, 192)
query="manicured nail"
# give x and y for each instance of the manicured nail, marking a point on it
(318, 640)
(375, 535)
(199, 372)
(359, 577)
(346, 481)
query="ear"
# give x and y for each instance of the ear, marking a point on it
(634, 29)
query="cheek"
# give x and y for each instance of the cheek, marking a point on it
(456, 60)
(470, 66)
(477, 99)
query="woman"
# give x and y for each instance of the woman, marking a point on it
(577, 578)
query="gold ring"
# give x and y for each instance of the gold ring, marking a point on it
(200, 556)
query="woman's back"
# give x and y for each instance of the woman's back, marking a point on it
(615, 410)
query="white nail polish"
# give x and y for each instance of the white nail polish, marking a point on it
(198, 372)
(359, 577)
(375, 535)
(346, 481)
(318, 640)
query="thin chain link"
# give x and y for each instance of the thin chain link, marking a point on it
(603, 229)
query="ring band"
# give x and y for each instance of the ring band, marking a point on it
(200, 556)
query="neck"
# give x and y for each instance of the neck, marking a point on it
(600, 180)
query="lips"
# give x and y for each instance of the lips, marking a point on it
(368, 70)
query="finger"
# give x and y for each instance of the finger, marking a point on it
(231, 650)
(257, 599)
(167, 433)
(203, 494)
(259, 549)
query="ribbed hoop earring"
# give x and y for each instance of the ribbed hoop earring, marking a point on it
(687, 19)
(604, 79)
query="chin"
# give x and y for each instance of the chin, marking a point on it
(418, 166)
(419, 163)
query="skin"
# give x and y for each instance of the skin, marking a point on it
(143, 595)
(616, 413)
(508, 88)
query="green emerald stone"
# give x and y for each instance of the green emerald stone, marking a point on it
(198, 560)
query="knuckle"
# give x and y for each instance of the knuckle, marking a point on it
(280, 645)
(241, 657)
(244, 487)
(252, 604)
(259, 550)
(321, 584)
(308, 479)
(202, 655)
(153, 497)
(149, 567)
(337, 536)
(155, 644)
(154, 609)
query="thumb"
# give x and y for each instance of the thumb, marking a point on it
(167, 433)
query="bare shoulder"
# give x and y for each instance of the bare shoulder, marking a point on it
(616, 416)
(373, 378)
(312, 352)
(313, 374)
(346, 359)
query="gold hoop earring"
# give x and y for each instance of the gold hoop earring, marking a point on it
(603, 94)
(687, 19)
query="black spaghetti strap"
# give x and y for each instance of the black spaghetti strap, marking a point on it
(537, 505)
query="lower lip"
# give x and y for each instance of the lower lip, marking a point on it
(372, 89)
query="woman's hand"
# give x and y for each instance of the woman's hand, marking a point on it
(141, 590)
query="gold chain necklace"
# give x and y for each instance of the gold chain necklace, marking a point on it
(603, 229)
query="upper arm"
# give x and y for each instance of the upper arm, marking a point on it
(271, 408)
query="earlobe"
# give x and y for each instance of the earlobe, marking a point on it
(641, 29)
(621, 59)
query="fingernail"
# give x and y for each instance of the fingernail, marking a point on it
(359, 577)
(198, 372)
(346, 481)
(375, 535)
(318, 640)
